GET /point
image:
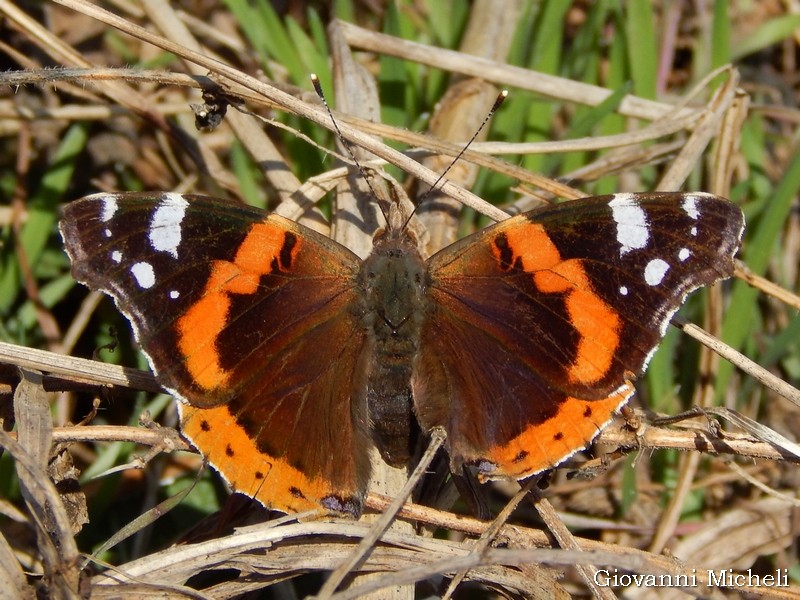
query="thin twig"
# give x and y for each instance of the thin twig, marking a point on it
(380, 526)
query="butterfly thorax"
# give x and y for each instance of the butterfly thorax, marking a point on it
(393, 283)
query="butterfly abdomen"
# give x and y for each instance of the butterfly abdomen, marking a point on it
(393, 282)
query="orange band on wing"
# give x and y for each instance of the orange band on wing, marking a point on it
(261, 251)
(545, 445)
(198, 328)
(596, 322)
(270, 480)
(532, 244)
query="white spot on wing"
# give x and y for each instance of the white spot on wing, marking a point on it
(684, 254)
(174, 294)
(116, 256)
(107, 233)
(689, 206)
(633, 231)
(110, 208)
(165, 226)
(654, 271)
(623, 290)
(144, 274)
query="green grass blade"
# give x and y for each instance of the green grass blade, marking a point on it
(769, 33)
(313, 61)
(720, 35)
(642, 47)
(764, 234)
(42, 214)
(583, 126)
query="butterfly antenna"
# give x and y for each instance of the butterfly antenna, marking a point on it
(318, 88)
(498, 101)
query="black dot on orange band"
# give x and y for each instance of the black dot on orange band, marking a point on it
(204, 425)
(229, 450)
(559, 436)
(587, 412)
(259, 475)
(296, 492)
(506, 253)
(289, 242)
(521, 456)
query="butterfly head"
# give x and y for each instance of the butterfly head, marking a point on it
(393, 204)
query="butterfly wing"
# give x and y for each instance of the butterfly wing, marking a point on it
(560, 309)
(236, 312)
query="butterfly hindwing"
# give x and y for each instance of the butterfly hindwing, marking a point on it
(229, 304)
(560, 309)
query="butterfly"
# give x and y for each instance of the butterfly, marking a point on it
(291, 356)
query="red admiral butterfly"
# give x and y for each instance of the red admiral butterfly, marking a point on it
(291, 355)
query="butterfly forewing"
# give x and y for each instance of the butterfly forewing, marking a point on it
(230, 306)
(561, 308)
